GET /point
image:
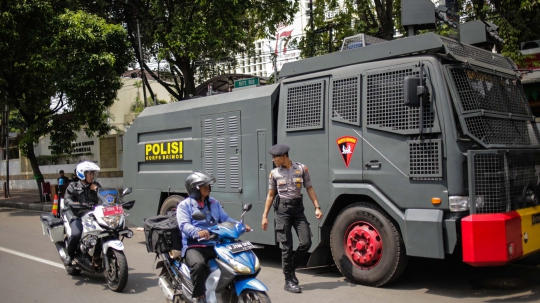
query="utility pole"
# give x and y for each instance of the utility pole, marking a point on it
(143, 74)
(7, 150)
(330, 38)
(274, 62)
(310, 41)
(311, 15)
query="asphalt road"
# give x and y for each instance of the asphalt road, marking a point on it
(31, 271)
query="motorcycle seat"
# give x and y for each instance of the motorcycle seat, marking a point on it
(50, 220)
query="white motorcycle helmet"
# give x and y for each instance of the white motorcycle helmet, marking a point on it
(84, 167)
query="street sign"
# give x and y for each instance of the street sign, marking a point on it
(246, 82)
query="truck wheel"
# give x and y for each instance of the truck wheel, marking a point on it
(366, 246)
(170, 204)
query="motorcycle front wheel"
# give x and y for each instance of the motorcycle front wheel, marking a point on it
(117, 275)
(250, 295)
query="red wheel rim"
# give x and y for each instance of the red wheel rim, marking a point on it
(363, 245)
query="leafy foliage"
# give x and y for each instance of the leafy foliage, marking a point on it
(375, 17)
(516, 20)
(196, 36)
(59, 69)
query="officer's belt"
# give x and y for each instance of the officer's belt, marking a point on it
(291, 201)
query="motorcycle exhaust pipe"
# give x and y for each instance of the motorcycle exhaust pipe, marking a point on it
(61, 250)
(166, 288)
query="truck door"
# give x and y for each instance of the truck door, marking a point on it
(221, 150)
(345, 146)
(396, 159)
(303, 125)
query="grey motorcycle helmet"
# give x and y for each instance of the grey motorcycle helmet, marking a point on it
(197, 179)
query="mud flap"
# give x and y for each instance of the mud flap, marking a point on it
(320, 256)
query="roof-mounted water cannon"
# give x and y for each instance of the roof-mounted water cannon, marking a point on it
(479, 33)
(442, 13)
(417, 15)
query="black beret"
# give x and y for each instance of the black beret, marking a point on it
(279, 149)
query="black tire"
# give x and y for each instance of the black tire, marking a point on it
(170, 204)
(383, 258)
(72, 270)
(250, 295)
(117, 275)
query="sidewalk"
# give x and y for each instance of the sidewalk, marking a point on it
(25, 199)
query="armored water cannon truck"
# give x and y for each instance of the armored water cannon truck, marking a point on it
(421, 146)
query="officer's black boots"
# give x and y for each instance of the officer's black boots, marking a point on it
(294, 278)
(290, 286)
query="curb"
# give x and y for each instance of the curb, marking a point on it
(27, 206)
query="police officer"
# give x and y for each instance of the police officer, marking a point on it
(287, 179)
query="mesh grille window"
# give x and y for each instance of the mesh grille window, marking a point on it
(385, 97)
(489, 182)
(480, 90)
(492, 107)
(305, 106)
(425, 158)
(345, 103)
(500, 180)
(468, 51)
(493, 131)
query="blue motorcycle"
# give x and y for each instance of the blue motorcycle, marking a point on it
(232, 274)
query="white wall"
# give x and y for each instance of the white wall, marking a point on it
(15, 169)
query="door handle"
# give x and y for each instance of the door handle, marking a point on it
(373, 164)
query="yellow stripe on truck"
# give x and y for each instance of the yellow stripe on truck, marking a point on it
(530, 228)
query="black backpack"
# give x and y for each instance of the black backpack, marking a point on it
(162, 233)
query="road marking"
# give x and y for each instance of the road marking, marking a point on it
(31, 257)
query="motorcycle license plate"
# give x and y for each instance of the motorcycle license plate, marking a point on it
(240, 246)
(113, 210)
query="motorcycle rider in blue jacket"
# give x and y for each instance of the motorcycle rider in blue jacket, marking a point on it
(197, 253)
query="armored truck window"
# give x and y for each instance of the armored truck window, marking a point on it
(492, 107)
(345, 94)
(385, 108)
(304, 105)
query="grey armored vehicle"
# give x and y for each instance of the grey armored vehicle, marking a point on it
(421, 146)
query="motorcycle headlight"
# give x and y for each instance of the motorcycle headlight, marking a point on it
(257, 264)
(238, 267)
(112, 221)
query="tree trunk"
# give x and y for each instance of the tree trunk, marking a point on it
(189, 79)
(35, 168)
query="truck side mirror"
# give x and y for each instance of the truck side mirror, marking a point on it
(412, 90)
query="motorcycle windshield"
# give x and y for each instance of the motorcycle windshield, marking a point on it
(108, 196)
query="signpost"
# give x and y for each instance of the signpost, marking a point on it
(246, 82)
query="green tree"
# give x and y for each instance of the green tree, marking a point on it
(348, 18)
(194, 36)
(59, 69)
(517, 21)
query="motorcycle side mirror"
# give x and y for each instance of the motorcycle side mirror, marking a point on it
(197, 215)
(246, 208)
(127, 191)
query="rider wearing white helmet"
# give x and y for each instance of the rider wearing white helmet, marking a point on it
(82, 192)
